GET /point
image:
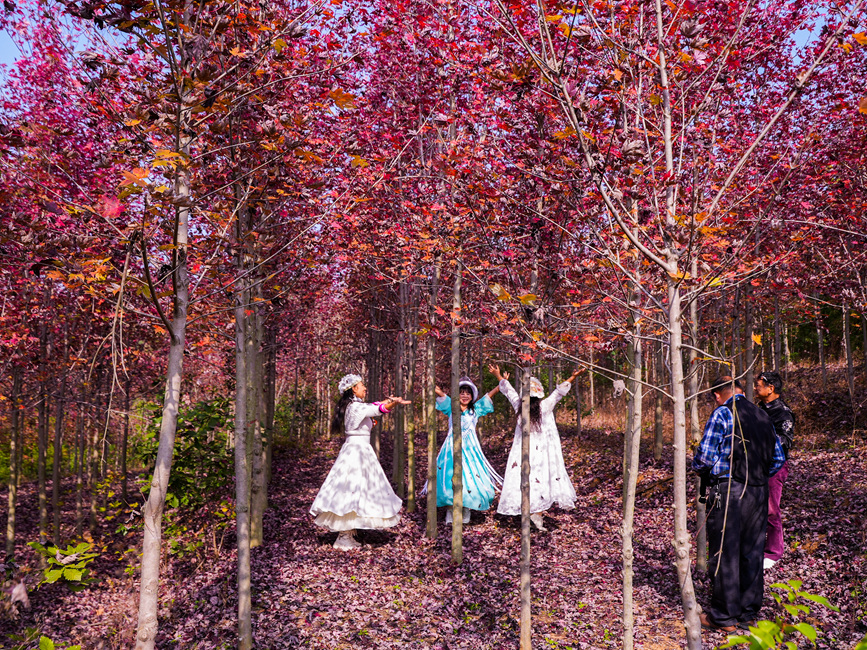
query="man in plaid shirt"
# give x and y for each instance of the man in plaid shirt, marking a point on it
(737, 454)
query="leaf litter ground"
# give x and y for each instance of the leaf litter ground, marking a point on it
(401, 590)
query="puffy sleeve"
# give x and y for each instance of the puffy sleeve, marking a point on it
(362, 410)
(484, 406)
(444, 404)
(559, 393)
(508, 390)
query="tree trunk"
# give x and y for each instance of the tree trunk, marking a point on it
(632, 442)
(80, 451)
(457, 437)
(270, 394)
(591, 376)
(399, 419)
(430, 404)
(409, 413)
(696, 429)
(255, 374)
(153, 508)
(577, 388)
(93, 462)
(658, 378)
(820, 335)
(749, 345)
(242, 472)
(682, 539)
(58, 459)
(125, 441)
(525, 586)
(787, 354)
(778, 343)
(42, 450)
(863, 340)
(847, 343)
(14, 443)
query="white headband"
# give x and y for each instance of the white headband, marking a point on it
(536, 389)
(348, 382)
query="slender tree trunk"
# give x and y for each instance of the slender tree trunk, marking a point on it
(749, 345)
(820, 335)
(93, 465)
(863, 339)
(577, 388)
(695, 428)
(270, 394)
(14, 443)
(242, 473)
(633, 444)
(659, 378)
(682, 538)
(153, 508)
(42, 447)
(58, 459)
(457, 433)
(787, 354)
(847, 343)
(255, 372)
(525, 585)
(430, 404)
(399, 419)
(778, 343)
(592, 375)
(409, 413)
(80, 450)
(125, 441)
(737, 357)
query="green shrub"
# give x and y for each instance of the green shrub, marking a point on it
(67, 565)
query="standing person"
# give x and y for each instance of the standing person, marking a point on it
(549, 482)
(738, 452)
(479, 477)
(769, 386)
(356, 493)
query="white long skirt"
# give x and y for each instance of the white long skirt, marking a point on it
(356, 492)
(549, 481)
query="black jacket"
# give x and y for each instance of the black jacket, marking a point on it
(784, 422)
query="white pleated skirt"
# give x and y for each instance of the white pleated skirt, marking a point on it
(356, 493)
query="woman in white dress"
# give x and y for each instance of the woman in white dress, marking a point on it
(549, 482)
(356, 493)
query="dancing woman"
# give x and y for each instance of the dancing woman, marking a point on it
(356, 493)
(479, 478)
(549, 482)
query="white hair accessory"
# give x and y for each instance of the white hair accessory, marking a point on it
(536, 388)
(466, 381)
(348, 382)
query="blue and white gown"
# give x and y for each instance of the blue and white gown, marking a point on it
(479, 477)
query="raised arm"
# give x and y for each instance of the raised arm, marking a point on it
(559, 393)
(505, 387)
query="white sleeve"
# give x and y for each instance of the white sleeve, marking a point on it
(509, 392)
(559, 393)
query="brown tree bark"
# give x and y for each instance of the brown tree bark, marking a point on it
(430, 404)
(58, 459)
(457, 437)
(14, 443)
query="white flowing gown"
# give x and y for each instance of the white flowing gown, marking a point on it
(356, 492)
(549, 482)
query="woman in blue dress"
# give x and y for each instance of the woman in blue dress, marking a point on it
(479, 478)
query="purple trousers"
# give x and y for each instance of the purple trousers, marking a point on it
(774, 545)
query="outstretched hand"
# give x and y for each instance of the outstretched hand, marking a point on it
(399, 400)
(575, 374)
(495, 371)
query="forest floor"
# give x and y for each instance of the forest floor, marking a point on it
(401, 590)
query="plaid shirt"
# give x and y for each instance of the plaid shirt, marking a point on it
(714, 452)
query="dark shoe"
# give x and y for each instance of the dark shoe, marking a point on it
(707, 624)
(746, 625)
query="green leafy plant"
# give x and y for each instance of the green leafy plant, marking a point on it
(765, 635)
(31, 639)
(69, 565)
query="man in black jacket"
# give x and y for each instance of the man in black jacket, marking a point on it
(768, 387)
(738, 452)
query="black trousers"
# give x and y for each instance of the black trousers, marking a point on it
(736, 528)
